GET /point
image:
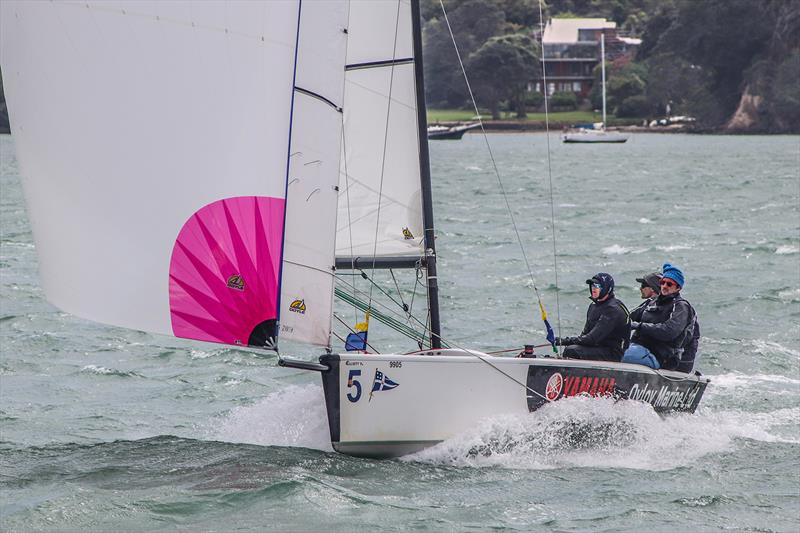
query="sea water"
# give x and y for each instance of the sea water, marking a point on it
(104, 429)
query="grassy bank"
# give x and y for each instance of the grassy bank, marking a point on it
(559, 117)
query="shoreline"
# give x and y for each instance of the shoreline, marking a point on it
(511, 126)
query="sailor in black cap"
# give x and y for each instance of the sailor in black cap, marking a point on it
(606, 334)
(650, 287)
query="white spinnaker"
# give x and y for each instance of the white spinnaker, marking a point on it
(380, 162)
(130, 116)
(313, 175)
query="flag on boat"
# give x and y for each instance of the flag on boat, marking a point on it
(382, 382)
(357, 341)
(551, 336)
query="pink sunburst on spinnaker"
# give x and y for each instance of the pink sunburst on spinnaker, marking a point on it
(223, 275)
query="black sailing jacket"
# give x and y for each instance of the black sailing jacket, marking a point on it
(665, 321)
(607, 326)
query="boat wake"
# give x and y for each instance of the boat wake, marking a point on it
(573, 432)
(294, 416)
(601, 433)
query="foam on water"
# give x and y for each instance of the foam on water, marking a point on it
(791, 295)
(294, 416)
(602, 433)
(616, 249)
(573, 432)
(787, 249)
(734, 380)
(673, 248)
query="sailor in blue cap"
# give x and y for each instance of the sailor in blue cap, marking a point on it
(665, 328)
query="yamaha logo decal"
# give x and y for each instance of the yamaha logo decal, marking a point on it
(553, 388)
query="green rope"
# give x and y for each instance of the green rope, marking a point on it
(383, 318)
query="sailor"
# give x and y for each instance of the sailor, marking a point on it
(649, 287)
(664, 327)
(606, 334)
(689, 354)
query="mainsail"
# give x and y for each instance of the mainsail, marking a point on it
(380, 198)
(162, 146)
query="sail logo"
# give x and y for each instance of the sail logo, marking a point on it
(407, 235)
(236, 282)
(554, 386)
(298, 306)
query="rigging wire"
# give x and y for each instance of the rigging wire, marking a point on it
(347, 174)
(497, 172)
(550, 172)
(409, 317)
(385, 143)
(337, 317)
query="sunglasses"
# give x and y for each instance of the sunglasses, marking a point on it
(668, 283)
(596, 286)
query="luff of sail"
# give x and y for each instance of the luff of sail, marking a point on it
(380, 197)
(154, 141)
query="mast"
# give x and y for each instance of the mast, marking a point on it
(603, 59)
(425, 177)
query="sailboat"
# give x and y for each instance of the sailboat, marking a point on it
(597, 135)
(439, 132)
(204, 169)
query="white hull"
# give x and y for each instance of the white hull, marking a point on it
(595, 137)
(434, 397)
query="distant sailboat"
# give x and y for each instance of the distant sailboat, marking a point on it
(147, 218)
(601, 135)
(437, 132)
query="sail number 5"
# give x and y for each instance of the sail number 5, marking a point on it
(352, 381)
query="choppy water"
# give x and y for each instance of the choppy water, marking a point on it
(108, 429)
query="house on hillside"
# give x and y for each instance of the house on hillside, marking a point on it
(572, 49)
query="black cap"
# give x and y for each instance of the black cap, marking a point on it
(651, 280)
(605, 281)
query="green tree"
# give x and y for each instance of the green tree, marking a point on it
(722, 37)
(472, 22)
(624, 79)
(501, 69)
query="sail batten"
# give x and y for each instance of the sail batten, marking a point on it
(380, 64)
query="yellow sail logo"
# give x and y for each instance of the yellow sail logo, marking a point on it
(407, 234)
(298, 306)
(236, 282)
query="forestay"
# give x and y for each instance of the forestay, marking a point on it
(161, 146)
(380, 206)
